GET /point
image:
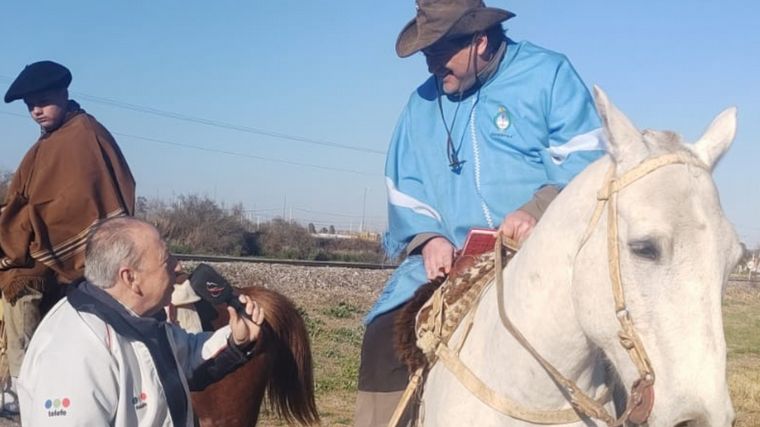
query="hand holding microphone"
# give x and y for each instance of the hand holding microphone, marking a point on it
(246, 315)
(214, 288)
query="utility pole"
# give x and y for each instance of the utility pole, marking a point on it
(364, 210)
(752, 266)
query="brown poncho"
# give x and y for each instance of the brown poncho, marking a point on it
(71, 178)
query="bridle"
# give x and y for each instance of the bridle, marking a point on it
(641, 397)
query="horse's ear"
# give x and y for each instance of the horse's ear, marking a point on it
(717, 138)
(622, 136)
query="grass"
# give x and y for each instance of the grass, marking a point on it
(741, 316)
(336, 332)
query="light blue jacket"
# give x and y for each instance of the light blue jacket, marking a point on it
(533, 123)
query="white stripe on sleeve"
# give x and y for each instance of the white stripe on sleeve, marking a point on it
(397, 198)
(589, 141)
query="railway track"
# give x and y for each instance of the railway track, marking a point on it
(744, 278)
(361, 265)
(296, 262)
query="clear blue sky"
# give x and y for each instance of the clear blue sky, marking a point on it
(326, 72)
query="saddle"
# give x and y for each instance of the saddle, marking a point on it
(437, 309)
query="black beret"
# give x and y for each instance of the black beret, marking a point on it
(37, 77)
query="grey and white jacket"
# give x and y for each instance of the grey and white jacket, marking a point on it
(79, 371)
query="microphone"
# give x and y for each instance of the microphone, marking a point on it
(211, 286)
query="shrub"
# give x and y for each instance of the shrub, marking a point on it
(195, 224)
(350, 250)
(283, 239)
(5, 182)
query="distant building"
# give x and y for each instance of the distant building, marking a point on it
(370, 236)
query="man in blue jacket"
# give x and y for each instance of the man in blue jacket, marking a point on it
(487, 141)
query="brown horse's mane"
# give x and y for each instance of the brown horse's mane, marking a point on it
(291, 390)
(282, 366)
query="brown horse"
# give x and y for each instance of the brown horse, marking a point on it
(282, 368)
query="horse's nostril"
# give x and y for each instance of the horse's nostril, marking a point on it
(687, 423)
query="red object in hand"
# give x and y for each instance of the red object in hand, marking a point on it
(479, 241)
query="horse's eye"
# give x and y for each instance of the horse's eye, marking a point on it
(646, 249)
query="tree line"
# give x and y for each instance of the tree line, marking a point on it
(194, 224)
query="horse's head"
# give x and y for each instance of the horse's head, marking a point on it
(676, 250)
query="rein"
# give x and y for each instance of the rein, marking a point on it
(641, 397)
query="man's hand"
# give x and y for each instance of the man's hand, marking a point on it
(437, 255)
(245, 331)
(517, 225)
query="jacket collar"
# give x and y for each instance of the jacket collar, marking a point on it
(484, 75)
(73, 109)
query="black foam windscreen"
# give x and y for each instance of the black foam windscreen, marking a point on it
(213, 287)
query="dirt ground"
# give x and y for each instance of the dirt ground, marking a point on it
(334, 301)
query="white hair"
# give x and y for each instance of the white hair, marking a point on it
(112, 244)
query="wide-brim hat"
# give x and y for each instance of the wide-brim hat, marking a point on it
(38, 77)
(439, 19)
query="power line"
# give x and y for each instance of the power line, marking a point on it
(258, 212)
(231, 153)
(14, 114)
(238, 154)
(220, 124)
(743, 227)
(215, 123)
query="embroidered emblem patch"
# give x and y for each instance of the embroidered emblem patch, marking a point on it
(57, 407)
(502, 119)
(140, 401)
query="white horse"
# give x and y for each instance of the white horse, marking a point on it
(676, 250)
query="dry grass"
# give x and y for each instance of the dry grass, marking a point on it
(334, 320)
(333, 303)
(741, 314)
(744, 382)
